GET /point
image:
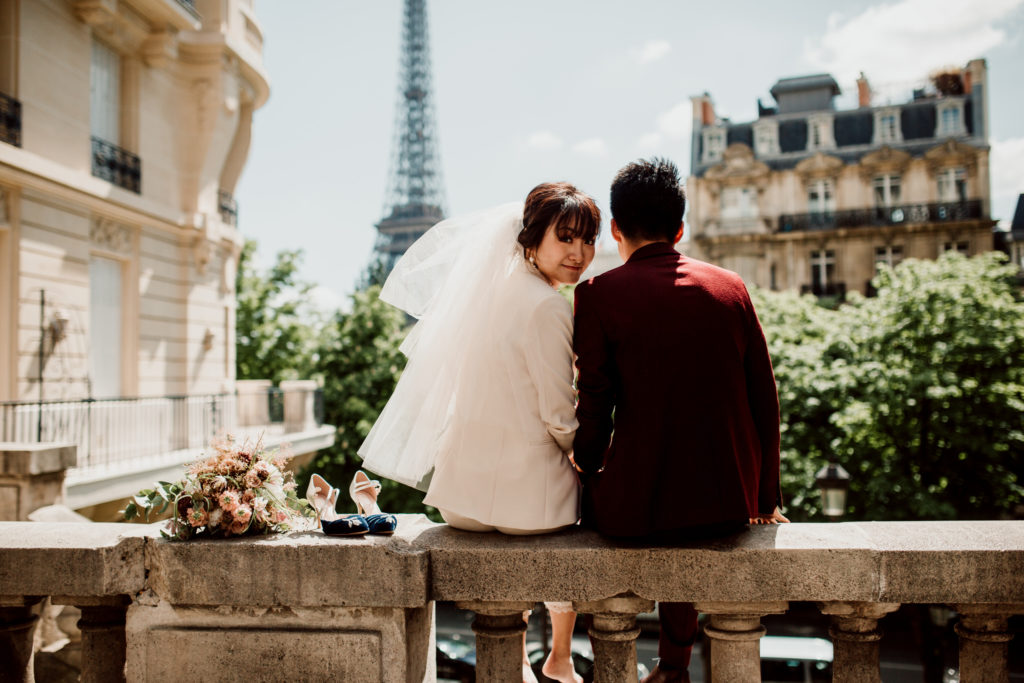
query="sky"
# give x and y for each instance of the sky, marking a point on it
(530, 91)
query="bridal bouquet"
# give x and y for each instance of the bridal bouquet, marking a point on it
(239, 490)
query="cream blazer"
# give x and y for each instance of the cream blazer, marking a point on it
(502, 457)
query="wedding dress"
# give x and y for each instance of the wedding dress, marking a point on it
(484, 412)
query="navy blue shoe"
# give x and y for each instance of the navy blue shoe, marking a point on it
(382, 523)
(350, 525)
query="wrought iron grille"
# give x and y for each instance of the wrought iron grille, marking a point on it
(876, 216)
(228, 207)
(116, 165)
(10, 120)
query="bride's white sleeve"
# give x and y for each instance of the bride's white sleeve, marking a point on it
(548, 352)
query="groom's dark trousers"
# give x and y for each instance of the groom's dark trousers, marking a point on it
(678, 412)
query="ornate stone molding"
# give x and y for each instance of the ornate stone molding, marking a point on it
(739, 168)
(952, 154)
(819, 166)
(110, 235)
(884, 161)
(159, 49)
(202, 252)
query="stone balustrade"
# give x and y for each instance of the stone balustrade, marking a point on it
(305, 606)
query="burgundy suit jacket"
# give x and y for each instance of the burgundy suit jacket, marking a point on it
(678, 410)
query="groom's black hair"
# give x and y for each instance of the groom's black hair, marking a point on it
(648, 200)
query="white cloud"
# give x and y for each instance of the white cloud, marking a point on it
(677, 122)
(1007, 163)
(591, 147)
(544, 140)
(650, 142)
(651, 51)
(904, 41)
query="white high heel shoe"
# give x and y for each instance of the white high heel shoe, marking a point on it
(360, 492)
(324, 498)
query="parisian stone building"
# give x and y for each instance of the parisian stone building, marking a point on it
(812, 198)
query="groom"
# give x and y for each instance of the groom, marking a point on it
(678, 412)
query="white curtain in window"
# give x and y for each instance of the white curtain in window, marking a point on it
(105, 323)
(105, 93)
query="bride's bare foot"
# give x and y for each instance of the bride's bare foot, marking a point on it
(528, 676)
(560, 669)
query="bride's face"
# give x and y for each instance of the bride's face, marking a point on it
(562, 256)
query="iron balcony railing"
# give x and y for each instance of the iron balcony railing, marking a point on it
(10, 120)
(883, 215)
(228, 207)
(111, 432)
(116, 165)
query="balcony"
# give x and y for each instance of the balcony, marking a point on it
(126, 444)
(10, 120)
(116, 165)
(881, 216)
(305, 606)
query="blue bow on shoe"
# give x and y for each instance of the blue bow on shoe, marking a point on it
(382, 523)
(352, 525)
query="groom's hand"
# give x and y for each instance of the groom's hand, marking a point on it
(775, 517)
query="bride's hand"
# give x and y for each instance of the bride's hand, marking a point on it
(572, 460)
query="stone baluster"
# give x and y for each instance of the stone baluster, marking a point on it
(984, 637)
(734, 636)
(19, 617)
(499, 629)
(103, 636)
(855, 635)
(613, 636)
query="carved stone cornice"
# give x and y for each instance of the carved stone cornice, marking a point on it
(738, 168)
(885, 160)
(110, 235)
(125, 30)
(952, 154)
(819, 166)
(202, 252)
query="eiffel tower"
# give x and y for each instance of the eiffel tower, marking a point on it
(415, 197)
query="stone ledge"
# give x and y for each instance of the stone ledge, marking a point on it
(35, 458)
(920, 562)
(43, 558)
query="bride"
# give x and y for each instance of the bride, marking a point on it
(483, 417)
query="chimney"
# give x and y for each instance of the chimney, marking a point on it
(703, 110)
(965, 78)
(863, 91)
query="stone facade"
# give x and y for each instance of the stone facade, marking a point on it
(813, 199)
(118, 243)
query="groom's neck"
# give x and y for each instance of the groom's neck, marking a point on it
(627, 247)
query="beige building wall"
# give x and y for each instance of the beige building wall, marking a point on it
(189, 83)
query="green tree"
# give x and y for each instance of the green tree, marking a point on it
(276, 330)
(918, 392)
(933, 422)
(360, 362)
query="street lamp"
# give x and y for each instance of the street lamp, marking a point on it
(833, 481)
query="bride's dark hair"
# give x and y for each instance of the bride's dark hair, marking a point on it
(573, 211)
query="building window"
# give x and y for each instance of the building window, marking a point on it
(105, 94)
(105, 327)
(714, 144)
(821, 197)
(886, 190)
(739, 202)
(952, 185)
(823, 270)
(887, 126)
(766, 138)
(887, 256)
(957, 246)
(950, 119)
(819, 132)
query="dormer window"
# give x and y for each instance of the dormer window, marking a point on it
(949, 120)
(820, 132)
(714, 144)
(766, 138)
(887, 126)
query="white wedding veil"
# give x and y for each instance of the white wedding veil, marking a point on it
(445, 279)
